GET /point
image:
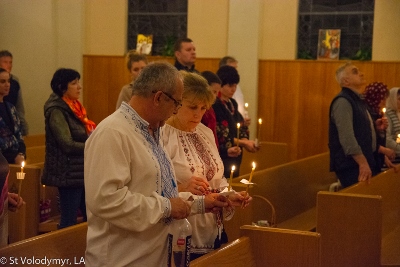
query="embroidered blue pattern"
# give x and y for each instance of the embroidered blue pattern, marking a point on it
(168, 184)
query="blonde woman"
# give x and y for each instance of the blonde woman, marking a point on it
(198, 166)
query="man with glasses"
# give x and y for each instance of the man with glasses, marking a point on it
(131, 190)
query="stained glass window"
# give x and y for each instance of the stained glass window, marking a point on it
(166, 20)
(355, 19)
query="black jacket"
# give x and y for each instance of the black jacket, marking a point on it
(65, 144)
(362, 132)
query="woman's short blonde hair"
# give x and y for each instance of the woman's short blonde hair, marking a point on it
(196, 89)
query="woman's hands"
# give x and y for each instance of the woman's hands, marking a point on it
(19, 158)
(195, 185)
(240, 199)
(249, 145)
(234, 151)
(14, 202)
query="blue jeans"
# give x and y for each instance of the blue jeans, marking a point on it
(71, 200)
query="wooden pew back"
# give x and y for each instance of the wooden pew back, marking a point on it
(366, 220)
(271, 154)
(350, 231)
(265, 246)
(30, 192)
(68, 243)
(34, 140)
(292, 188)
(35, 154)
(235, 254)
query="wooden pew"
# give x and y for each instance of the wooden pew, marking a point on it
(360, 225)
(34, 140)
(265, 246)
(68, 243)
(30, 192)
(35, 149)
(292, 189)
(234, 254)
(271, 154)
(35, 154)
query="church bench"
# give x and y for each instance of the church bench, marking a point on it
(65, 244)
(35, 154)
(30, 192)
(34, 140)
(291, 188)
(237, 253)
(366, 228)
(25, 223)
(265, 246)
(271, 154)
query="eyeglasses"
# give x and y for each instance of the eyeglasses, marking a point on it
(177, 103)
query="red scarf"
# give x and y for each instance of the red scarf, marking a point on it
(80, 112)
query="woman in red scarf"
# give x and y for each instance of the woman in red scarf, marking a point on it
(67, 128)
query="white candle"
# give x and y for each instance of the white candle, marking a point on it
(258, 133)
(238, 130)
(22, 166)
(44, 192)
(251, 175)
(230, 178)
(246, 113)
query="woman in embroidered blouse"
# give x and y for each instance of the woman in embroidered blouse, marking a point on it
(198, 166)
(393, 116)
(67, 128)
(12, 145)
(228, 116)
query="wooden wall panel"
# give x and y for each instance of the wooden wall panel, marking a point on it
(294, 100)
(104, 76)
(294, 96)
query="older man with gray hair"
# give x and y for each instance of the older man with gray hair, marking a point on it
(352, 135)
(131, 190)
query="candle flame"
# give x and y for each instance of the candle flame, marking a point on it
(246, 105)
(233, 167)
(23, 164)
(238, 125)
(259, 121)
(384, 110)
(254, 165)
(398, 135)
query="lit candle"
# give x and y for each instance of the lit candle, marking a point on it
(251, 175)
(246, 113)
(20, 177)
(22, 166)
(238, 130)
(230, 179)
(44, 192)
(258, 133)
